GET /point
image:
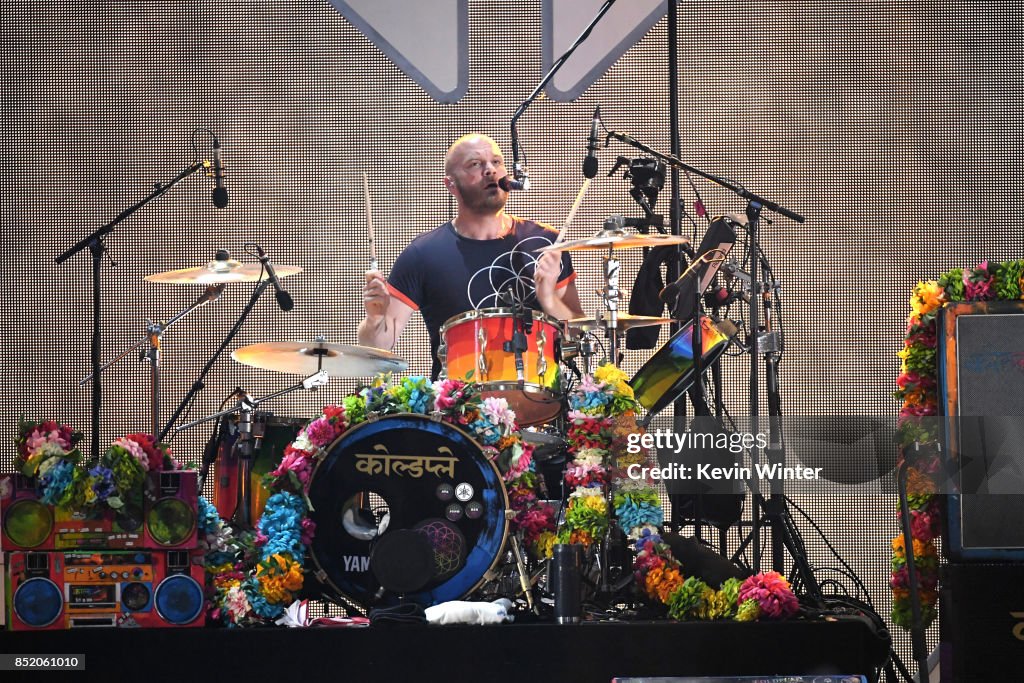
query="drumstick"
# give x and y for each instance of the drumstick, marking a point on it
(572, 211)
(369, 222)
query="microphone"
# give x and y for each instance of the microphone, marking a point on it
(220, 193)
(721, 297)
(508, 184)
(590, 163)
(284, 299)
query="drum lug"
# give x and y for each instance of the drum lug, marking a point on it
(436, 416)
(542, 361)
(372, 416)
(481, 359)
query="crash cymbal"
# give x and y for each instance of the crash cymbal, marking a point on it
(625, 322)
(218, 272)
(615, 239)
(307, 358)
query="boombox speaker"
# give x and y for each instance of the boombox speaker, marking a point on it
(981, 374)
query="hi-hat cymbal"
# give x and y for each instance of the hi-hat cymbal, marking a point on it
(615, 239)
(219, 272)
(625, 321)
(307, 358)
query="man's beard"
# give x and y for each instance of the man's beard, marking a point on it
(482, 199)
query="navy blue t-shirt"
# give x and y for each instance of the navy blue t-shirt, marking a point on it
(442, 274)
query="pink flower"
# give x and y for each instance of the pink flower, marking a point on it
(308, 531)
(321, 432)
(588, 385)
(448, 392)
(520, 465)
(772, 593)
(295, 461)
(497, 411)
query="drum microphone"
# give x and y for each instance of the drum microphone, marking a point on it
(590, 162)
(284, 299)
(220, 193)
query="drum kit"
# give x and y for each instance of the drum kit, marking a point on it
(465, 516)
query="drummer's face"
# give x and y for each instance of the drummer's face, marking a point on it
(474, 174)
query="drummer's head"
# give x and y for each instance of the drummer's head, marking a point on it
(472, 168)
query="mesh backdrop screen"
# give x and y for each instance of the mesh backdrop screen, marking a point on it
(894, 128)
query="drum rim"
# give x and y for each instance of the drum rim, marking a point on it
(481, 313)
(325, 578)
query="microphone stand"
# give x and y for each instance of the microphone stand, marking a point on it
(96, 247)
(154, 334)
(198, 385)
(755, 204)
(518, 171)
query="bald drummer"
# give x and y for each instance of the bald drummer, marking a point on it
(470, 262)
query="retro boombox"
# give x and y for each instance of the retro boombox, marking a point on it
(58, 590)
(162, 515)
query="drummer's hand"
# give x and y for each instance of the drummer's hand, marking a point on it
(545, 276)
(375, 294)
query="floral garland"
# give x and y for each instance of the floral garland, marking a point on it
(47, 452)
(918, 390)
(602, 415)
(257, 575)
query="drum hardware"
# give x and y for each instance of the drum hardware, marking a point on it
(154, 336)
(221, 270)
(246, 406)
(319, 355)
(524, 576)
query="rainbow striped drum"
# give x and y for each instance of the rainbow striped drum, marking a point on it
(475, 342)
(669, 372)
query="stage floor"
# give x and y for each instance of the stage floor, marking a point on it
(520, 653)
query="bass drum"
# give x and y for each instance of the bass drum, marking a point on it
(406, 509)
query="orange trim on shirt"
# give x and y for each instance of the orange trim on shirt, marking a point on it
(566, 281)
(402, 297)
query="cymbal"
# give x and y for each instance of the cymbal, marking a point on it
(615, 239)
(307, 358)
(625, 322)
(219, 272)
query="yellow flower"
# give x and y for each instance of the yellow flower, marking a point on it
(543, 547)
(609, 374)
(596, 503)
(623, 389)
(927, 297)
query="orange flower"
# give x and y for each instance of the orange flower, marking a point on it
(927, 298)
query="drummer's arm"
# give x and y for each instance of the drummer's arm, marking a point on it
(386, 315)
(560, 301)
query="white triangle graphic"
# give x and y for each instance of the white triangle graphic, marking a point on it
(427, 39)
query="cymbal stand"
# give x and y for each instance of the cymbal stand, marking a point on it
(246, 407)
(610, 295)
(154, 336)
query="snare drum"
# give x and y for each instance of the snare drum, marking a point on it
(475, 342)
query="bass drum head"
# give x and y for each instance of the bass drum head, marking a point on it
(411, 474)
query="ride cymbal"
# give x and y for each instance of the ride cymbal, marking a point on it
(307, 358)
(615, 239)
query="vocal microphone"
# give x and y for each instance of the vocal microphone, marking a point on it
(284, 299)
(220, 193)
(508, 184)
(590, 162)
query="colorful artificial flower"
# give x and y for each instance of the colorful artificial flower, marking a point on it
(773, 595)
